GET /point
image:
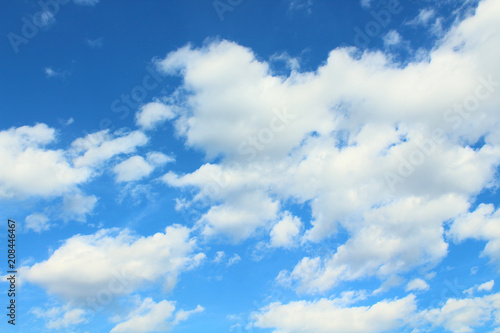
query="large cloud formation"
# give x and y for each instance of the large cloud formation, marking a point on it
(384, 151)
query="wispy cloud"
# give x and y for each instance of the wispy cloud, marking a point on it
(94, 43)
(53, 73)
(300, 5)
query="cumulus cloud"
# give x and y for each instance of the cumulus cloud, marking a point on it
(136, 167)
(333, 315)
(152, 114)
(285, 232)
(481, 224)
(361, 140)
(392, 38)
(487, 286)
(154, 317)
(463, 315)
(389, 240)
(116, 261)
(28, 168)
(417, 284)
(32, 167)
(327, 315)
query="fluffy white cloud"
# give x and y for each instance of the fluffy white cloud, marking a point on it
(37, 222)
(327, 315)
(417, 284)
(462, 315)
(114, 263)
(388, 240)
(285, 232)
(362, 140)
(30, 169)
(101, 146)
(136, 167)
(152, 114)
(392, 38)
(154, 317)
(487, 286)
(482, 224)
(157, 159)
(335, 315)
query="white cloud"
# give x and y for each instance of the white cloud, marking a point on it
(423, 18)
(389, 240)
(285, 232)
(462, 315)
(417, 284)
(134, 168)
(487, 286)
(60, 317)
(114, 263)
(30, 169)
(101, 146)
(392, 38)
(37, 222)
(158, 159)
(328, 316)
(152, 114)
(43, 171)
(154, 317)
(50, 73)
(481, 224)
(234, 260)
(77, 206)
(328, 138)
(219, 256)
(335, 315)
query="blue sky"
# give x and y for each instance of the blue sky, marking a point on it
(280, 166)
